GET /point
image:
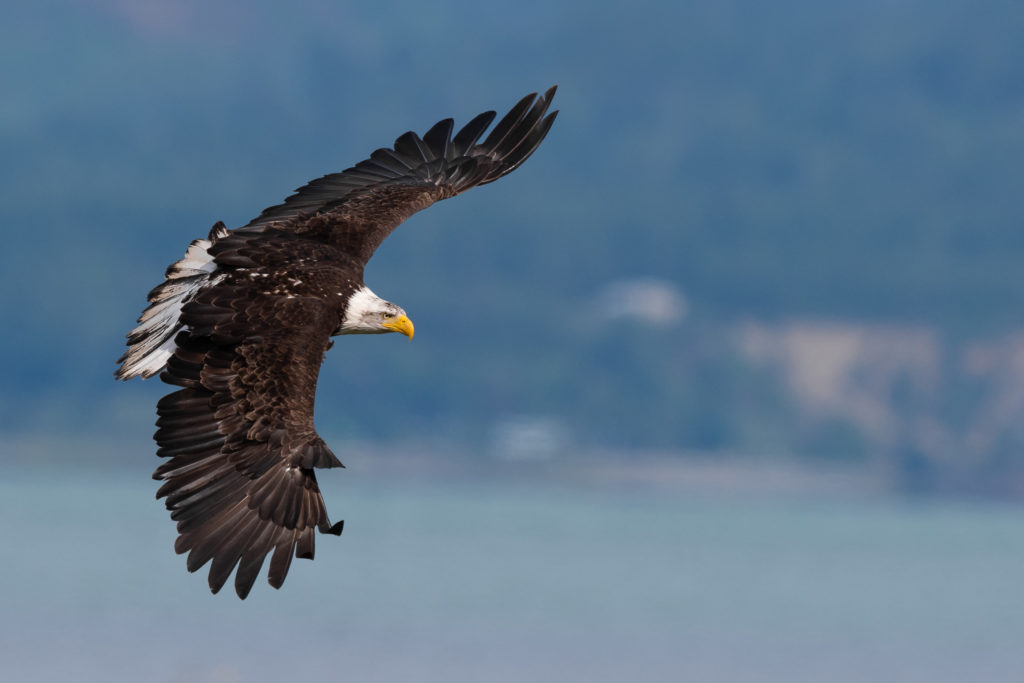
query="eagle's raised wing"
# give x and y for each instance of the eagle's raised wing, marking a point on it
(358, 208)
(239, 435)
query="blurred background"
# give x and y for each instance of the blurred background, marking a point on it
(725, 384)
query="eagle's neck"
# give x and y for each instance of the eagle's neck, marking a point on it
(362, 302)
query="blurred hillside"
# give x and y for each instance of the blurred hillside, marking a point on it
(787, 230)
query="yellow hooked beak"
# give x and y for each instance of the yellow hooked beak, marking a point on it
(401, 324)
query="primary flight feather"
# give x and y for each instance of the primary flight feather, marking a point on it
(242, 322)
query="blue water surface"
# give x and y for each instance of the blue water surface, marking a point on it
(479, 580)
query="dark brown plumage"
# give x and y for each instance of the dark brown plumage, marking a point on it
(241, 325)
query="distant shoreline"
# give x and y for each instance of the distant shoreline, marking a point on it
(683, 472)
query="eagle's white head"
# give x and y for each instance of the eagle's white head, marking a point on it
(367, 313)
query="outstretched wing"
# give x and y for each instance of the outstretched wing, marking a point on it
(239, 434)
(358, 208)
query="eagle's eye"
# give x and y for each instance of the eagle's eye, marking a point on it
(388, 314)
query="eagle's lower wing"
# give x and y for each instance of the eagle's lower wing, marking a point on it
(239, 434)
(358, 208)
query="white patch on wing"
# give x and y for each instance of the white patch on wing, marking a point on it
(151, 344)
(154, 361)
(197, 260)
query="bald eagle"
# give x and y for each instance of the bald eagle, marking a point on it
(242, 322)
